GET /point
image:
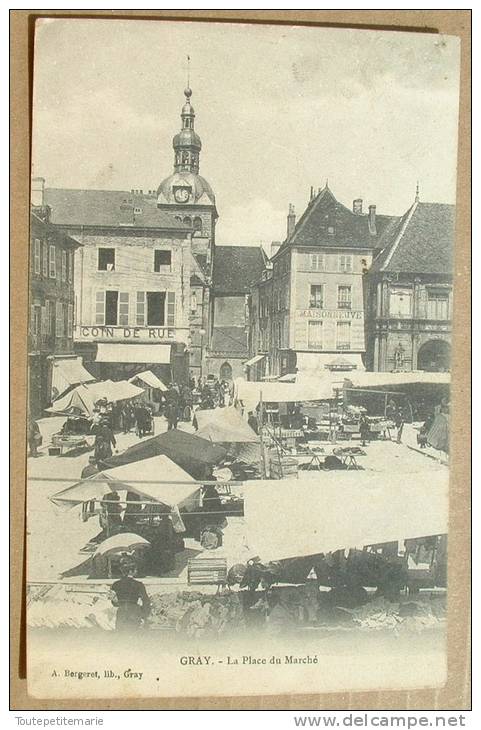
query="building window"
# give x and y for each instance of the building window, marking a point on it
(52, 264)
(197, 224)
(438, 304)
(37, 255)
(70, 321)
(162, 260)
(314, 334)
(106, 260)
(345, 263)
(45, 260)
(170, 309)
(400, 303)
(124, 308)
(343, 335)
(59, 320)
(316, 300)
(48, 317)
(188, 220)
(317, 261)
(64, 266)
(344, 297)
(36, 319)
(111, 307)
(330, 230)
(193, 302)
(137, 211)
(70, 266)
(100, 307)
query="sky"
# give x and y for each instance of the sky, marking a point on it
(278, 109)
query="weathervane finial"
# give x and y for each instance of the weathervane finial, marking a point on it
(417, 192)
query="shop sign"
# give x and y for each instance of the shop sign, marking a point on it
(104, 332)
(349, 314)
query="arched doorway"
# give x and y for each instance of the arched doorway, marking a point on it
(225, 372)
(434, 356)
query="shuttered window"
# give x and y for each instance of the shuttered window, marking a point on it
(70, 321)
(124, 308)
(59, 320)
(140, 309)
(64, 266)
(45, 259)
(170, 309)
(37, 255)
(52, 263)
(100, 307)
(314, 334)
(343, 335)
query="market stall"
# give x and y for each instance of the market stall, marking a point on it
(82, 399)
(191, 453)
(146, 503)
(152, 385)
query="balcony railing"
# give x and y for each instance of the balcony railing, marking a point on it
(344, 304)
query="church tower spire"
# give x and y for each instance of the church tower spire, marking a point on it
(186, 143)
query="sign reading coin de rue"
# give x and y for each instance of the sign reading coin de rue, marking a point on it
(104, 332)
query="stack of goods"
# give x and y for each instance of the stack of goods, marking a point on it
(196, 614)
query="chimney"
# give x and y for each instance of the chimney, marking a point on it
(372, 220)
(291, 220)
(37, 192)
(357, 206)
(275, 246)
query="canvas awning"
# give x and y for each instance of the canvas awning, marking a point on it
(120, 352)
(127, 477)
(382, 379)
(188, 451)
(67, 372)
(321, 362)
(81, 400)
(150, 379)
(311, 389)
(364, 508)
(253, 360)
(224, 425)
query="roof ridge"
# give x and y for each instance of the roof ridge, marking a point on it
(304, 217)
(400, 235)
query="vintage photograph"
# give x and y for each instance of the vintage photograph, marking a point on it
(239, 353)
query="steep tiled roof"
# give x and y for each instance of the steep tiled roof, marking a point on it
(349, 229)
(421, 242)
(107, 208)
(229, 340)
(236, 268)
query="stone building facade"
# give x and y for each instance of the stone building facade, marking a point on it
(408, 292)
(51, 320)
(316, 311)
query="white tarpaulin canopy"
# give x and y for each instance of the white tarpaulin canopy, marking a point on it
(125, 478)
(289, 518)
(81, 400)
(150, 379)
(224, 425)
(67, 372)
(310, 389)
(380, 380)
(119, 352)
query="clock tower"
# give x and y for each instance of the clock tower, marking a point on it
(188, 198)
(187, 195)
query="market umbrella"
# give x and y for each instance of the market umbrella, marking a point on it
(125, 541)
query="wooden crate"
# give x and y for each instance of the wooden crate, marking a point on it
(206, 571)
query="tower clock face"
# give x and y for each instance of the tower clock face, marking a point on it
(182, 195)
